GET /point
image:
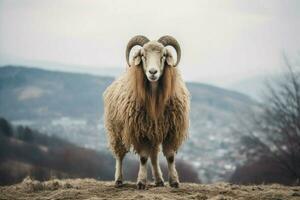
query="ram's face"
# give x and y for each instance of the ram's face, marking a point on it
(153, 57)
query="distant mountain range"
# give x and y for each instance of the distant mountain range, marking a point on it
(69, 105)
(30, 93)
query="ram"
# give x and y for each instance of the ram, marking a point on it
(148, 108)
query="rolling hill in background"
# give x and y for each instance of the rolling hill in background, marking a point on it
(27, 152)
(70, 106)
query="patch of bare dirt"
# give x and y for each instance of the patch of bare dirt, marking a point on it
(93, 189)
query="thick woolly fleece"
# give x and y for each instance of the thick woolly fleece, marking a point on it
(137, 117)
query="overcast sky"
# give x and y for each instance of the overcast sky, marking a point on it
(222, 41)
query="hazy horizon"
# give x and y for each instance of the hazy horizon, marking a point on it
(222, 42)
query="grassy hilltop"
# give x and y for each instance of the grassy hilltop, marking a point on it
(92, 189)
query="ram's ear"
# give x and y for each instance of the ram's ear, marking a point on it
(137, 58)
(169, 58)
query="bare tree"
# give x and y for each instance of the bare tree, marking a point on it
(274, 131)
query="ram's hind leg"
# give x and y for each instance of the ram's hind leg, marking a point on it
(143, 149)
(156, 171)
(169, 153)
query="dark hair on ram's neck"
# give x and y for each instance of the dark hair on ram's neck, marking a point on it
(153, 100)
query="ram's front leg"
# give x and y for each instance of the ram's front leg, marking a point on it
(119, 171)
(120, 152)
(170, 156)
(142, 175)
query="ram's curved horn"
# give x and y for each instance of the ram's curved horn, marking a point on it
(168, 40)
(136, 40)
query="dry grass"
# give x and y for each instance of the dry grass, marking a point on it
(92, 189)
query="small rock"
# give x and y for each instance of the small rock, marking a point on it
(68, 185)
(200, 197)
(296, 194)
(220, 197)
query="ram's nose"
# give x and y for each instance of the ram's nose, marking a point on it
(153, 71)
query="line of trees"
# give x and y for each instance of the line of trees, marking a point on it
(270, 137)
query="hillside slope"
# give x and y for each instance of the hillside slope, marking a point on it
(26, 152)
(92, 189)
(70, 106)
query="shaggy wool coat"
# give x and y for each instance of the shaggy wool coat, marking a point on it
(135, 116)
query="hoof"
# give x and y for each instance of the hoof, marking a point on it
(159, 183)
(141, 186)
(174, 185)
(118, 183)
